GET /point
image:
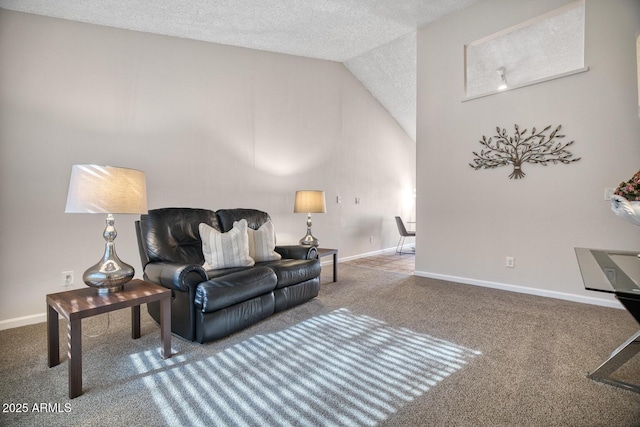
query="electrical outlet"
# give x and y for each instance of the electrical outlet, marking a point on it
(608, 192)
(357, 200)
(66, 279)
(370, 239)
(511, 262)
(338, 199)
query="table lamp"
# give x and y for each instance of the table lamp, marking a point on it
(309, 201)
(111, 190)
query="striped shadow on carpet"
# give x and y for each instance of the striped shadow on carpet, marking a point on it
(335, 369)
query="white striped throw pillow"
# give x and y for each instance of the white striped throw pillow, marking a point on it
(262, 243)
(225, 250)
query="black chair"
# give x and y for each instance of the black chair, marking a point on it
(403, 234)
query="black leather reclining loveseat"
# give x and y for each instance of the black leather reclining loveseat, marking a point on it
(208, 305)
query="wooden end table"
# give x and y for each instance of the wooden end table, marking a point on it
(325, 252)
(78, 304)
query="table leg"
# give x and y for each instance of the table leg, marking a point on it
(135, 322)
(165, 328)
(618, 358)
(53, 339)
(335, 267)
(74, 332)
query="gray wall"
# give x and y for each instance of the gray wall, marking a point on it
(212, 126)
(469, 221)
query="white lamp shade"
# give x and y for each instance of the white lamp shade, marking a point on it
(106, 189)
(310, 201)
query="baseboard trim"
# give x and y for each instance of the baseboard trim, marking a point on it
(23, 321)
(42, 317)
(367, 254)
(523, 289)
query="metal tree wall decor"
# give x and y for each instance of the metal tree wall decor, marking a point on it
(522, 148)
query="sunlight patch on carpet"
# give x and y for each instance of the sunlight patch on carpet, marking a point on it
(335, 369)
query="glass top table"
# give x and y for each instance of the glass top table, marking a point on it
(610, 271)
(616, 272)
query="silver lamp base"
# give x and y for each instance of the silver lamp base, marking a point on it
(308, 239)
(110, 274)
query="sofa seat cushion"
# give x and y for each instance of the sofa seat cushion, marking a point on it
(230, 289)
(293, 271)
(212, 274)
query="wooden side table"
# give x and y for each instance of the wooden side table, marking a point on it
(324, 252)
(78, 304)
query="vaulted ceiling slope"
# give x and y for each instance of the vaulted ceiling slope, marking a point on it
(372, 37)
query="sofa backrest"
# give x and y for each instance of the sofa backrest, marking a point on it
(254, 217)
(172, 235)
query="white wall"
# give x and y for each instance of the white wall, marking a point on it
(469, 221)
(212, 126)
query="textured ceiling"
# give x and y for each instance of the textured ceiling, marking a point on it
(336, 30)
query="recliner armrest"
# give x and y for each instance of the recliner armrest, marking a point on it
(297, 252)
(178, 277)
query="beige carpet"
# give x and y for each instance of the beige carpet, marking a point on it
(376, 348)
(388, 261)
